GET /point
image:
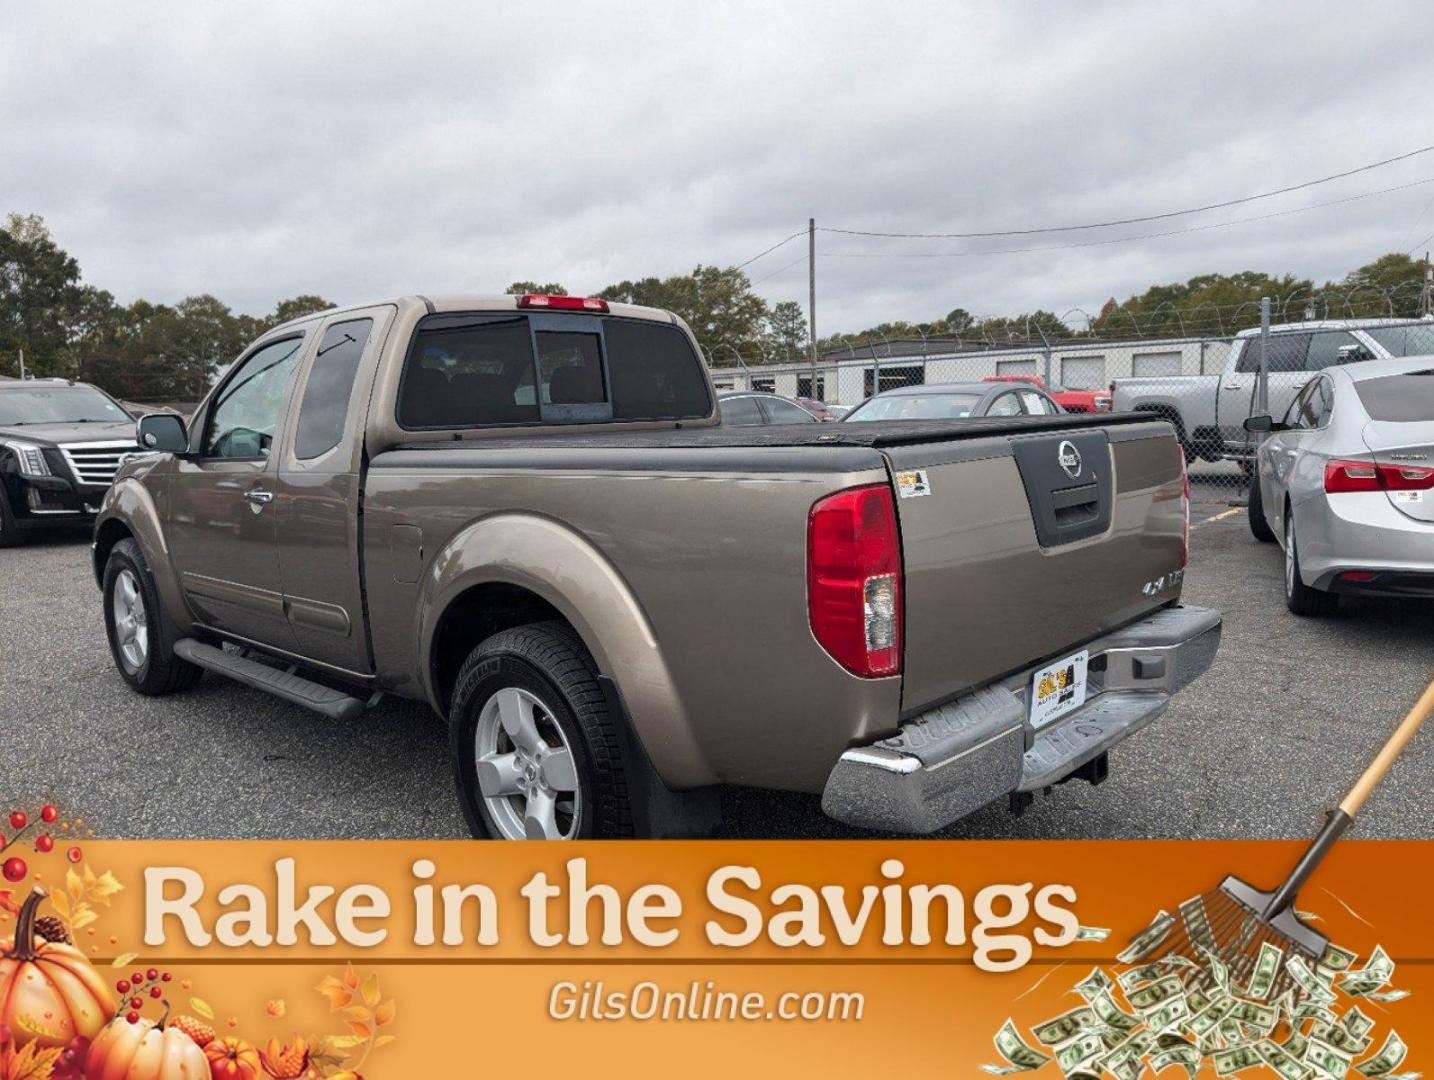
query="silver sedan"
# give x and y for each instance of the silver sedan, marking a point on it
(1345, 484)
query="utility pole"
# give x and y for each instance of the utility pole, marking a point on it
(1264, 387)
(1426, 298)
(812, 303)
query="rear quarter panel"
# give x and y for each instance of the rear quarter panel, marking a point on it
(707, 545)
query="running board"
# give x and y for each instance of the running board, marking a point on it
(334, 704)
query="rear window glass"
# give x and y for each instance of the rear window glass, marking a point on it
(466, 372)
(1401, 399)
(655, 373)
(474, 371)
(920, 407)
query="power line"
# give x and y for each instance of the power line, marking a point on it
(774, 273)
(1132, 220)
(1122, 239)
(774, 247)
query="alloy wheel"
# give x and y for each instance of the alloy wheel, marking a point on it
(526, 771)
(130, 622)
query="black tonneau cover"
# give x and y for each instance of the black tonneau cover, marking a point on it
(872, 434)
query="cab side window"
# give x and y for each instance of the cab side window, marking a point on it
(784, 412)
(331, 382)
(741, 412)
(245, 413)
(1288, 352)
(1035, 404)
(1005, 405)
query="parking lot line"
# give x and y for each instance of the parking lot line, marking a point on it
(1219, 517)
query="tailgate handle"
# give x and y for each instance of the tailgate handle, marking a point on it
(1074, 505)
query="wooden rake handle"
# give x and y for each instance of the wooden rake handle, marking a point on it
(1391, 750)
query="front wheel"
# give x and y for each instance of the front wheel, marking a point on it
(1299, 597)
(140, 634)
(535, 751)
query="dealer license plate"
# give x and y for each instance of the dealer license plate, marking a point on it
(1058, 689)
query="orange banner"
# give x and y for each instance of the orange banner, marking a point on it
(401, 959)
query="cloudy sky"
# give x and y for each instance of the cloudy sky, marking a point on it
(357, 150)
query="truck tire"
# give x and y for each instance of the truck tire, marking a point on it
(1300, 598)
(141, 635)
(536, 754)
(10, 535)
(1258, 525)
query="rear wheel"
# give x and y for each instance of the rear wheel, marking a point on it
(536, 754)
(141, 636)
(1259, 527)
(1300, 598)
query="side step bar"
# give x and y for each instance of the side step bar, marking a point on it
(334, 704)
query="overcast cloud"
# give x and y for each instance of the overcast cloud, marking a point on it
(359, 150)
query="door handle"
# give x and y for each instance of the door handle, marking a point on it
(259, 497)
(1233, 386)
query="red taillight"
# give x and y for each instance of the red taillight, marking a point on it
(1346, 476)
(1358, 575)
(1184, 506)
(854, 579)
(562, 303)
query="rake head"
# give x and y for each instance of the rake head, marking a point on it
(1231, 924)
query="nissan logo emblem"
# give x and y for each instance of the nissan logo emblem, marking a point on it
(1068, 457)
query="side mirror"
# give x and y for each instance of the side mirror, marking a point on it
(163, 432)
(1257, 424)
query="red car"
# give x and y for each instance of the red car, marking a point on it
(1068, 399)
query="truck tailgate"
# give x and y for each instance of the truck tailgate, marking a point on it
(1020, 547)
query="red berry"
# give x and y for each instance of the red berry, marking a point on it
(132, 1017)
(152, 974)
(44, 843)
(14, 869)
(137, 978)
(122, 986)
(48, 813)
(165, 977)
(155, 991)
(136, 1003)
(19, 819)
(74, 854)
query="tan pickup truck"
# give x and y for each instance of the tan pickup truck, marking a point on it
(526, 512)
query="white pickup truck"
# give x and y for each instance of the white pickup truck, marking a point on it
(1209, 411)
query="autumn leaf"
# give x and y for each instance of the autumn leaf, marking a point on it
(61, 903)
(276, 1008)
(351, 979)
(335, 1043)
(383, 1040)
(384, 1014)
(371, 993)
(123, 960)
(7, 902)
(101, 889)
(25, 1022)
(338, 994)
(363, 1031)
(202, 1007)
(359, 1013)
(84, 915)
(32, 1063)
(74, 885)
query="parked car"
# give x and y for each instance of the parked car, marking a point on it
(1209, 411)
(60, 443)
(820, 409)
(944, 401)
(1345, 484)
(755, 408)
(526, 512)
(1071, 400)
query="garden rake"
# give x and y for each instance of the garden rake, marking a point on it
(1232, 922)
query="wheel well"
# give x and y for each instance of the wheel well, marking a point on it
(1166, 412)
(106, 537)
(473, 617)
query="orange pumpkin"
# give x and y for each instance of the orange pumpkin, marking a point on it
(232, 1059)
(144, 1051)
(49, 994)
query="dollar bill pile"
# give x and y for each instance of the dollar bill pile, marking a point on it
(1192, 1011)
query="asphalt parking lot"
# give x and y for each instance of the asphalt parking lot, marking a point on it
(1259, 747)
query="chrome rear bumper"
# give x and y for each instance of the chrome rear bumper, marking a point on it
(961, 755)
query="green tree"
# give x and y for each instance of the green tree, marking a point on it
(296, 307)
(40, 294)
(787, 332)
(1390, 285)
(552, 288)
(958, 321)
(718, 304)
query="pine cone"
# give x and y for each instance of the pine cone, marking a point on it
(52, 929)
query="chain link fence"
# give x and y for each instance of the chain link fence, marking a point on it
(1206, 384)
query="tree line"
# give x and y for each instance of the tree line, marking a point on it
(144, 351)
